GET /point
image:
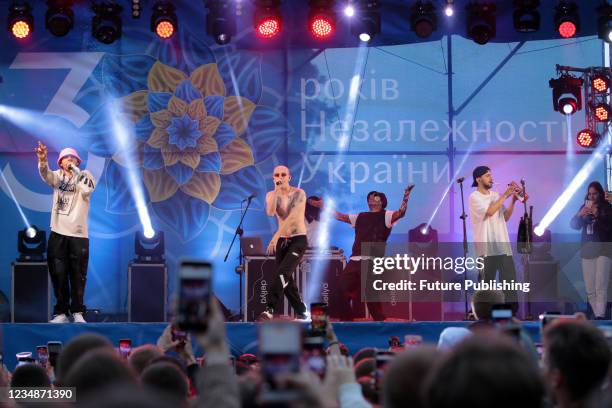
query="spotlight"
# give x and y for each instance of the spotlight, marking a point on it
(136, 9)
(267, 19)
(20, 21)
(449, 9)
(423, 240)
(106, 23)
(481, 25)
(567, 21)
(366, 24)
(541, 244)
(587, 138)
(526, 17)
(149, 249)
(600, 83)
(602, 112)
(163, 20)
(322, 19)
(31, 244)
(423, 19)
(349, 11)
(604, 22)
(567, 94)
(59, 18)
(221, 20)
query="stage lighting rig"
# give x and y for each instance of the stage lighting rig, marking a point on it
(366, 23)
(600, 83)
(567, 94)
(164, 22)
(221, 20)
(423, 19)
(151, 249)
(106, 23)
(136, 8)
(59, 19)
(481, 24)
(31, 244)
(449, 9)
(604, 22)
(587, 138)
(567, 21)
(526, 17)
(20, 22)
(267, 19)
(322, 19)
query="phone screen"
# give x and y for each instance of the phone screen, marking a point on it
(43, 355)
(501, 315)
(412, 340)
(280, 346)
(125, 347)
(547, 318)
(313, 355)
(194, 295)
(318, 314)
(588, 203)
(54, 348)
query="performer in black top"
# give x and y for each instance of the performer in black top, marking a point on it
(373, 226)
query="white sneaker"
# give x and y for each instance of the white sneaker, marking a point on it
(78, 318)
(265, 315)
(60, 318)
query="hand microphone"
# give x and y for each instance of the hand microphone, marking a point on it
(278, 183)
(74, 169)
(460, 179)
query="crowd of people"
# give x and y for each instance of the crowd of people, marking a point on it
(481, 365)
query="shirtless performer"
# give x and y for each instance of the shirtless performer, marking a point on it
(289, 242)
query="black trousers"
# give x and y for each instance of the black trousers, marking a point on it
(289, 252)
(68, 258)
(505, 265)
(350, 289)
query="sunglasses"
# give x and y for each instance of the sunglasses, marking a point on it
(280, 174)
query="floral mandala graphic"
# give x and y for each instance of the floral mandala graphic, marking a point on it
(195, 144)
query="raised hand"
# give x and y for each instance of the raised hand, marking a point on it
(41, 151)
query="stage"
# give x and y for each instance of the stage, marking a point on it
(242, 337)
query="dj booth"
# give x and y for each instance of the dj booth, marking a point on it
(260, 272)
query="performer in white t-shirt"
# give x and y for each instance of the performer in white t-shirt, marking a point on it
(68, 247)
(491, 240)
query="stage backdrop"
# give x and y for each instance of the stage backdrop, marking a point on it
(209, 123)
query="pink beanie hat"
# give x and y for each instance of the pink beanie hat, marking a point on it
(68, 151)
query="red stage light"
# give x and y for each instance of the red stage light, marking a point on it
(21, 29)
(586, 138)
(268, 27)
(602, 112)
(322, 27)
(567, 29)
(164, 29)
(600, 83)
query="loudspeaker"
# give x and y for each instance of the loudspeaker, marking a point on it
(260, 273)
(328, 289)
(30, 292)
(147, 290)
(544, 294)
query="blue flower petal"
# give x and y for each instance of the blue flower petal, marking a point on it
(180, 172)
(237, 186)
(224, 135)
(153, 159)
(119, 196)
(214, 106)
(195, 52)
(95, 135)
(143, 128)
(183, 214)
(157, 101)
(266, 131)
(210, 162)
(187, 92)
(247, 75)
(124, 74)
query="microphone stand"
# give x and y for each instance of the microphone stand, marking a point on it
(240, 268)
(465, 246)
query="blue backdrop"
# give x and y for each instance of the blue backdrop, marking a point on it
(209, 123)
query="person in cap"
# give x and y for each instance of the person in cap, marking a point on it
(491, 240)
(373, 226)
(68, 247)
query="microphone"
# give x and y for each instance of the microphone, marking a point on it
(249, 198)
(74, 169)
(278, 183)
(460, 179)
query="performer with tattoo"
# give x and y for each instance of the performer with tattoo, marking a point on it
(68, 247)
(289, 243)
(373, 226)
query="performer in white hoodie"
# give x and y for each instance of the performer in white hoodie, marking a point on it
(68, 247)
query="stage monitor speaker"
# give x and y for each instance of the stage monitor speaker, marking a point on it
(259, 274)
(147, 291)
(30, 292)
(543, 294)
(328, 290)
